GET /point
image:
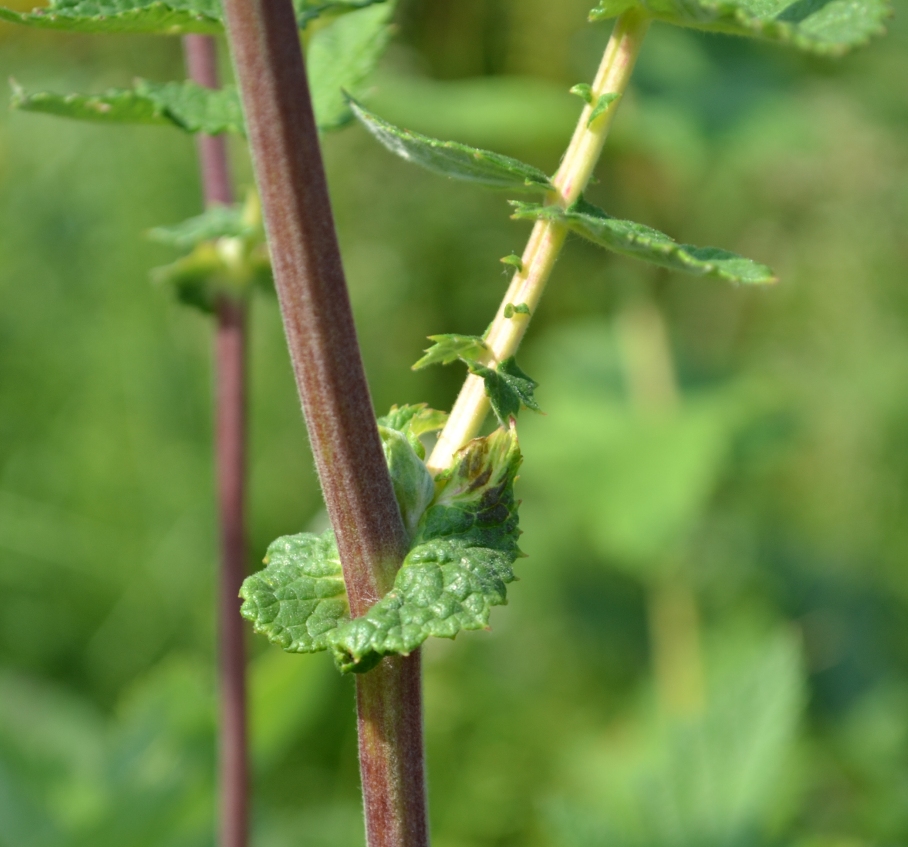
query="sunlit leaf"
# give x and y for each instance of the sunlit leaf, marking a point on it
(464, 546)
(648, 244)
(819, 26)
(449, 158)
(459, 565)
(186, 105)
(414, 421)
(508, 388)
(173, 17)
(449, 348)
(341, 56)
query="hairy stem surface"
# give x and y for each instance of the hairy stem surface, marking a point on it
(547, 238)
(230, 428)
(318, 321)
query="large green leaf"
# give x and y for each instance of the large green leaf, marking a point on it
(648, 244)
(173, 17)
(341, 56)
(166, 17)
(819, 26)
(464, 546)
(186, 105)
(459, 565)
(449, 158)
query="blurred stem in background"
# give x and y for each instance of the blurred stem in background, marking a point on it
(674, 620)
(230, 363)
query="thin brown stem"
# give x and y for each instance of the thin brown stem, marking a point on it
(321, 336)
(230, 439)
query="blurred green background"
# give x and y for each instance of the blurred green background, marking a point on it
(709, 641)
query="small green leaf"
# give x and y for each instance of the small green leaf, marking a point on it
(341, 56)
(299, 599)
(650, 245)
(449, 348)
(519, 309)
(514, 261)
(584, 92)
(308, 10)
(829, 27)
(413, 421)
(449, 158)
(602, 104)
(167, 17)
(229, 254)
(508, 389)
(186, 105)
(459, 565)
(215, 222)
(413, 485)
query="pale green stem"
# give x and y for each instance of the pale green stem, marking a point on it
(547, 238)
(674, 617)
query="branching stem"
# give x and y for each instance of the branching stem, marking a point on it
(230, 429)
(547, 238)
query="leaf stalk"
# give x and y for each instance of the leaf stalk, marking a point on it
(548, 237)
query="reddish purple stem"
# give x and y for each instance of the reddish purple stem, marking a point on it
(230, 435)
(321, 337)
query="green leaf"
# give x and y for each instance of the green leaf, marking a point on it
(186, 105)
(464, 548)
(650, 245)
(215, 222)
(413, 421)
(299, 599)
(167, 17)
(459, 565)
(508, 389)
(413, 485)
(308, 10)
(449, 158)
(451, 347)
(602, 104)
(341, 56)
(512, 309)
(584, 92)
(829, 27)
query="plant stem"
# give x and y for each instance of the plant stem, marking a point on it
(542, 250)
(674, 618)
(318, 321)
(230, 356)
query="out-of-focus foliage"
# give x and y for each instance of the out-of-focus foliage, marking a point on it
(707, 643)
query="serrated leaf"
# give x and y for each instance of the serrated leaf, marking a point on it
(449, 348)
(186, 105)
(828, 27)
(508, 389)
(173, 17)
(452, 159)
(165, 17)
(413, 421)
(461, 560)
(459, 565)
(650, 245)
(299, 599)
(341, 56)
